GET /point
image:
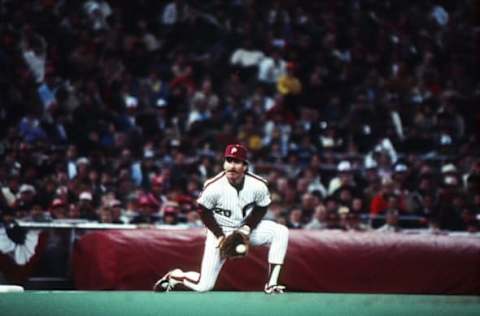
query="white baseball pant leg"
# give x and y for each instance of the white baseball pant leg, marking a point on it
(266, 233)
(273, 234)
(211, 266)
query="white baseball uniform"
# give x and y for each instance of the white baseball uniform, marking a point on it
(230, 207)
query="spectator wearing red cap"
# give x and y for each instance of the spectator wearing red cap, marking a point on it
(170, 214)
(147, 211)
(58, 209)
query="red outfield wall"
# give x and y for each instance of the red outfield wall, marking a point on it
(325, 261)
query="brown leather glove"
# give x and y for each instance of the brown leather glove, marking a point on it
(234, 245)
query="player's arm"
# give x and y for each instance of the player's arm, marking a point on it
(255, 216)
(262, 202)
(206, 215)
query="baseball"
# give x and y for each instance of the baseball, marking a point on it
(241, 248)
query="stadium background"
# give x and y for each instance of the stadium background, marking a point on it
(359, 113)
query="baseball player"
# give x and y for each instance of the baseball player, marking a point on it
(233, 200)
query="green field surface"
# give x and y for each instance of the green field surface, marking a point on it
(106, 303)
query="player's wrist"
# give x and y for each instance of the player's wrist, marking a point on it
(245, 229)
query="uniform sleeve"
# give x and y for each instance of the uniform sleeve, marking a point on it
(209, 221)
(263, 196)
(207, 202)
(207, 199)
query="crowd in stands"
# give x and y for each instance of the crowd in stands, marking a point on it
(118, 111)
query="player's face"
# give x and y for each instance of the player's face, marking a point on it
(234, 169)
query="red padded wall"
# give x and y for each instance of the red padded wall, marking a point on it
(326, 261)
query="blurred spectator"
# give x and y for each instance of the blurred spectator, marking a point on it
(319, 220)
(38, 214)
(25, 199)
(58, 209)
(391, 222)
(288, 84)
(98, 11)
(86, 207)
(34, 50)
(354, 223)
(380, 202)
(193, 219)
(290, 87)
(333, 220)
(170, 215)
(472, 178)
(308, 204)
(105, 215)
(246, 59)
(147, 211)
(118, 214)
(271, 68)
(344, 178)
(30, 129)
(295, 218)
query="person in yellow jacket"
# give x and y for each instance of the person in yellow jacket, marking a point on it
(289, 84)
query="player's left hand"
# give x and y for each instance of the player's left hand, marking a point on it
(229, 246)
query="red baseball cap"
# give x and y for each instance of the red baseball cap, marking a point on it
(57, 202)
(236, 151)
(145, 200)
(157, 181)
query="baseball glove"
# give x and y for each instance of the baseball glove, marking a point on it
(234, 245)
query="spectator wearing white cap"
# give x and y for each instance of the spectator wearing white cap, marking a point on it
(451, 200)
(400, 178)
(344, 177)
(85, 206)
(25, 199)
(371, 180)
(450, 175)
(82, 165)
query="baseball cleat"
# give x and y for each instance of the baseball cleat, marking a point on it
(162, 285)
(165, 284)
(274, 289)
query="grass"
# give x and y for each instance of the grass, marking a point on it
(138, 303)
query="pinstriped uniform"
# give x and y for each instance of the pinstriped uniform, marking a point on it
(230, 208)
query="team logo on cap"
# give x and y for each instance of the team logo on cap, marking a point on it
(236, 151)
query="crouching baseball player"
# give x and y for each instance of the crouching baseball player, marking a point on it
(232, 205)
